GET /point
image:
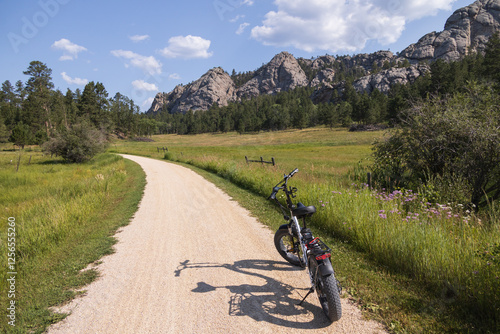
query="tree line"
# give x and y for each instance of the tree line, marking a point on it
(295, 109)
(33, 112)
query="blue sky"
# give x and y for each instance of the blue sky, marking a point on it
(139, 48)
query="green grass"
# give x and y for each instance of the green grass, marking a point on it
(428, 273)
(436, 257)
(65, 217)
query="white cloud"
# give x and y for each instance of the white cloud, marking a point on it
(138, 38)
(236, 18)
(149, 64)
(74, 81)
(174, 76)
(247, 2)
(334, 25)
(70, 50)
(242, 28)
(147, 103)
(142, 85)
(187, 47)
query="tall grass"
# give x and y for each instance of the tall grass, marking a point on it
(450, 250)
(434, 243)
(64, 218)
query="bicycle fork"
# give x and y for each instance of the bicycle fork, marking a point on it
(294, 229)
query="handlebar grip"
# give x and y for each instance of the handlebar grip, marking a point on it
(275, 191)
(293, 172)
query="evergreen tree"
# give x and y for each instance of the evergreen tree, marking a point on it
(492, 58)
(21, 135)
(36, 107)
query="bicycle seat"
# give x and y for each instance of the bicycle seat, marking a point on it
(303, 211)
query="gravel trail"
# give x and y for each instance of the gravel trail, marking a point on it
(193, 261)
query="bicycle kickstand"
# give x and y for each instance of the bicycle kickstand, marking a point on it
(311, 290)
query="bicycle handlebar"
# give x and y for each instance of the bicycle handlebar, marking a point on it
(293, 172)
(285, 180)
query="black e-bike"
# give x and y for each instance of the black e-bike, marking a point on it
(297, 245)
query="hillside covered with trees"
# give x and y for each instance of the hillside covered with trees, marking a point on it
(347, 106)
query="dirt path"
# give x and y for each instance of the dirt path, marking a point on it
(193, 261)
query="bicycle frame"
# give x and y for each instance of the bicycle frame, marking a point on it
(294, 227)
(315, 256)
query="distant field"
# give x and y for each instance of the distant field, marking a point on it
(444, 248)
(320, 152)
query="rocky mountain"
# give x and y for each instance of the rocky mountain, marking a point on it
(215, 86)
(282, 73)
(467, 30)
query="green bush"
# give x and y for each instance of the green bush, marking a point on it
(80, 143)
(446, 142)
(21, 135)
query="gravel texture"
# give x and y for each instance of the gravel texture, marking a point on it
(193, 261)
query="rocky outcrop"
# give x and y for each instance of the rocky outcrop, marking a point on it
(215, 86)
(384, 80)
(282, 73)
(323, 77)
(468, 29)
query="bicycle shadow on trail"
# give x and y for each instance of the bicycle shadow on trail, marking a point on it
(274, 302)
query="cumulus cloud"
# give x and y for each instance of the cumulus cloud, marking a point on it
(236, 18)
(149, 64)
(187, 47)
(74, 81)
(242, 28)
(147, 103)
(70, 49)
(334, 25)
(138, 38)
(145, 86)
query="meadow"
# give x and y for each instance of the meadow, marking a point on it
(417, 267)
(63, 217)
(451, 252)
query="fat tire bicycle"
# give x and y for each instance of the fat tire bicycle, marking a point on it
(297, 245)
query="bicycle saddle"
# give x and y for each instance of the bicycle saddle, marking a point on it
(303, 210)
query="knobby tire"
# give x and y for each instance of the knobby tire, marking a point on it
(328, 292)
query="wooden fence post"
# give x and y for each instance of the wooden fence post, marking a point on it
(369, 175)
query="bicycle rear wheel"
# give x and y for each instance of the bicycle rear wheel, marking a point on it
(328, 292)
(288, 247)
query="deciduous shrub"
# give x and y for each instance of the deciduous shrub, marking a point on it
(452, 143)
(80, 143)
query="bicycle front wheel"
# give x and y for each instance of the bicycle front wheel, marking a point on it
(288, 247)
(328, 292)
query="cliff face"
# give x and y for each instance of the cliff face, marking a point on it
(282, 73)
(215, 86)
(468, 29)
